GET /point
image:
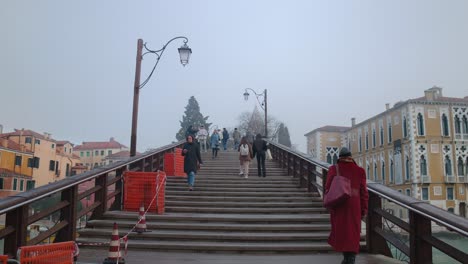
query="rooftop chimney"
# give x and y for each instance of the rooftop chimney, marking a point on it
(353, 122)
(387, 106)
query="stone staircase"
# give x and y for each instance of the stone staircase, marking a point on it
(227, 213)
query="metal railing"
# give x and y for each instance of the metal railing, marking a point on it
(106, 185)
(312, 175)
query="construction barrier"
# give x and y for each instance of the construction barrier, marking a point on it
(3, 259)
(174, 163)
(141, 187)
(57, 253)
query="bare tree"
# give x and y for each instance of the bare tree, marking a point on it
(254, 123)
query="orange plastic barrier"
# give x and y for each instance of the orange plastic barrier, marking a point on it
(56, 253)
(140, 187)
(174, 163)
(3, 259)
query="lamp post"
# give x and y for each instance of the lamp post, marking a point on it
(263, 104)
(184, 52)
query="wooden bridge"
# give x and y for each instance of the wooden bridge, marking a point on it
(229, 219)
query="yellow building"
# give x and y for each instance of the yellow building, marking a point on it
(51, 162)
(15, 169)
(418, 147)
(93, 154)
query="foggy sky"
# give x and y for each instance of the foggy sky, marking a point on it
(67, 67)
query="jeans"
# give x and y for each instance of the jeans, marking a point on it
(261, 163)
(236, 144)
(225, 144)
(203, 145)
(191, 178)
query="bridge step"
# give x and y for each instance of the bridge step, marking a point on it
(227, 213)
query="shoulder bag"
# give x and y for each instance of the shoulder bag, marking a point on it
(339, 192)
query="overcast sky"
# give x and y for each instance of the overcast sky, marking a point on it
(68, 67)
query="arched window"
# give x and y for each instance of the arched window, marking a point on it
(420, 125)
(461, 167)
(465, 125)
(405, 128)
(383, 172)
(360, 143)
(457, 125)
(392, 171)
(374, 143)
(329, 158)
(376, 176)
(448, 166)
(367, 140)
(389, 132)
(423, 164)
(381, 136)
(368, 171)
(445, 128)
(407, 168)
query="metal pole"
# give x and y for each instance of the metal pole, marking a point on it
(266, 124)
(136, 94)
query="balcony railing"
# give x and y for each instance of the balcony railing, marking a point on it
(450, 179)
(421, 240)
(425, 179)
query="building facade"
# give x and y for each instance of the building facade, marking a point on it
(52, 160)
(418, 147)
(15, 172)
(93, 154)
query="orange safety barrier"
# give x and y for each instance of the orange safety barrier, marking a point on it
(56, 253)
(174, 163)
(140, 188)
(3, 259)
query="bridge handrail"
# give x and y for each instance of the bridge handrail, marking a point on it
(421, 213)
(15, 201)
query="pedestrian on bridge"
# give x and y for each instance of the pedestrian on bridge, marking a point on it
(202, 136)
(214, 142)
(236, 135)
(225, 138)
(245, 156)
(259, 149)
(192, 160)
(346, 217)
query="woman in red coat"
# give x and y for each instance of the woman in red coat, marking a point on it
(346, 218)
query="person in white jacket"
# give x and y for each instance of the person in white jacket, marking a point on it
(202, 136)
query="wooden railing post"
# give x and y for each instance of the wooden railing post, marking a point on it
(117, 204)
(376, 244)
(18, 219)
(294, 170)
(100, 196)
(68, 214)
(302, 181)
(420, 250)
(311, 177)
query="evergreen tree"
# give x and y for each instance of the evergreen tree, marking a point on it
(283, 135)
(192, 116)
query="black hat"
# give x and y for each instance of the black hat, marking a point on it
(344, 152)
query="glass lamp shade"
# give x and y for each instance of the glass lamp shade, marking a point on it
(246, 95)
(184, 53)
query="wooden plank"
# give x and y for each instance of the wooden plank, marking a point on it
(6, 231)
(397, 221)
(114, 180)
(48, 233)
(88, 192)
(393, 240)
(47, 212)
(446, 248)
(88, 209)
(112, 194)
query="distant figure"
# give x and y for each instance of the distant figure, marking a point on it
(236, 135)
(225, 138)
(346, 218)
(191, 132)
(214, 142)
(192, 160)
(259, 149)
(245, 156)
(202, 135)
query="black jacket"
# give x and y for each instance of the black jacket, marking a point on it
(192, 158)
(260, 146)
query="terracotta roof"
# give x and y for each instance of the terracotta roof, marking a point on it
(441, 99)
(12, 145)
(63, 142)
(26, 132)
(75, 156)
(12, 173)
(100, 145)
(338, 129)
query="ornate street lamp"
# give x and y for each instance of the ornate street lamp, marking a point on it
(263, 104)
(184, 53)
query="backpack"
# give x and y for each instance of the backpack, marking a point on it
(244, 150)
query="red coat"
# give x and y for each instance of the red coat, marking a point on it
(346, 218)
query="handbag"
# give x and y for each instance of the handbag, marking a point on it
(268, 154)
(339, 192)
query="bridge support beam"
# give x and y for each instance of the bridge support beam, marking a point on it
(420, 250)
(18, 219)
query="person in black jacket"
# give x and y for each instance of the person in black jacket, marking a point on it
(192, 160)
(259, 149)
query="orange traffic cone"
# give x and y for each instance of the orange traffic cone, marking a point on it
(141, 225)
(114, 256)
